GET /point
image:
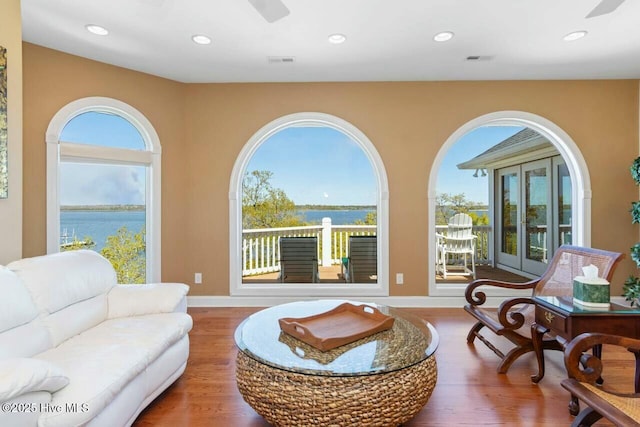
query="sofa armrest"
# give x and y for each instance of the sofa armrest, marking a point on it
(151, 298)
(26, 375)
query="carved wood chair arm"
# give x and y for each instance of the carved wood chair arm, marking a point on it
(586, 367)
(509, 318)
(478, 297)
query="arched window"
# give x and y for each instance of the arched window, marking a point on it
(103, 184)
(559, 165)
(255, 249)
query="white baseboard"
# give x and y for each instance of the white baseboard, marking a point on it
(428, 302)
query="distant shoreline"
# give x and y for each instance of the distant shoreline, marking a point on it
(142, 207)
(102, 208)
(334, 207)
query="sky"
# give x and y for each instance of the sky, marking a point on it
(313, 165)
(457, 181)
(94, 184)
(317, 165)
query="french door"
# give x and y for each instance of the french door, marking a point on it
(533, 202)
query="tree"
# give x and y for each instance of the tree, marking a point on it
(370, 219)
(448, 205)
(479, 220)
(126, 252)
(264, 206)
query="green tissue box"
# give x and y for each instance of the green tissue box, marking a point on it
(591, 292)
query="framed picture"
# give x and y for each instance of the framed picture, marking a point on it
(4, 173)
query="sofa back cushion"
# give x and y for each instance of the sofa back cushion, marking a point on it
(68, 288)
(59, 280)
(22, 334)
(16, 306)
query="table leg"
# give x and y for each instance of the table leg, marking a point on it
(637, 381)
(597, 352)
(537, 332)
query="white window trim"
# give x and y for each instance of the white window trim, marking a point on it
(58, 150)
(578, 170)
(236, 287)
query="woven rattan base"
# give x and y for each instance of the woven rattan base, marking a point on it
(291, 399)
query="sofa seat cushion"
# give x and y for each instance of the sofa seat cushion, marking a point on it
(102, 360)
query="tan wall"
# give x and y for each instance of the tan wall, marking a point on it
(407, 122)
(11, 208)
(52, 80)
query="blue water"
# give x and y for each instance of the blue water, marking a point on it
(99, 224)
(338, 217)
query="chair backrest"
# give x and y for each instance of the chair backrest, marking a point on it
(363, 259)
(567, 263)
(460, 226)
(298, 259)
(459, 237)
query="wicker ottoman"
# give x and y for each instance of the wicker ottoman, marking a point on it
(293, 384)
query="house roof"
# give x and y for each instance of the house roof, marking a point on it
(523, 142)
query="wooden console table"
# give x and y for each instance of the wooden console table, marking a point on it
(562, 319)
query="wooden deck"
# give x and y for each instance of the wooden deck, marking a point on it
(330, 274)
(333, 274)
(483, 272)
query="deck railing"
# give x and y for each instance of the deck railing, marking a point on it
(260, 248)
(484, 233)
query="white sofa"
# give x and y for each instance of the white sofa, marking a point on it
(77, 349)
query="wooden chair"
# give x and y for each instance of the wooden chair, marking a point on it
(299, 259)
(585, 373)
(362, 264)
(458, 244)
(514, 316)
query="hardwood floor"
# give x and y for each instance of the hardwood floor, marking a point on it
(468, 391)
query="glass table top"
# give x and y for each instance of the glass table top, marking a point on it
(410, 341)
(567, 304)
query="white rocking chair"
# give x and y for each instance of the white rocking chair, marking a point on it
(456, 246)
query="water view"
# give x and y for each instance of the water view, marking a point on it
(99, 224)
(338, 216)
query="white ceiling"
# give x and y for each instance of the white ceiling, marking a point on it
(387, 40)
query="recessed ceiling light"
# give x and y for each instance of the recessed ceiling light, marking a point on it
(97, 29)
(443, 36)
(574, 36)
(337, 38)
(201, 39)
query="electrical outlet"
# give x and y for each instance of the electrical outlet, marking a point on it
(399, 278)
(197, 279)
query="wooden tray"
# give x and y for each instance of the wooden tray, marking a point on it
(342, 325)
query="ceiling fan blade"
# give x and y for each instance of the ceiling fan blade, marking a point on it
(604, 7)
(271, 10)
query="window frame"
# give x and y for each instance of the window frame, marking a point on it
(570, 153)
(60, 151)
(307, 119)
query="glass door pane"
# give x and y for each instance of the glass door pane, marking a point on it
(564, 205)
(536, 216)
(508, 214)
